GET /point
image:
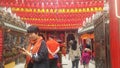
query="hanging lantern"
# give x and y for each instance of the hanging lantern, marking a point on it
(47, 10)
(51, 10)
(67, 10)
(22, 9)
(38, 10)
(55, 10)
(96, 8)
(34, 10)
(88, 10)
(43, 10)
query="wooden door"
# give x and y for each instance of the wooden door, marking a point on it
(102, 48)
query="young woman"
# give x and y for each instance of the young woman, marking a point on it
(86, 56)
(36, 53)
(74, 53)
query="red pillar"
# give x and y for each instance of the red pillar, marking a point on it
(1, 44)
(114, 36)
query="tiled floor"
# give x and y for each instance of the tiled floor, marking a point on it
(65, 63)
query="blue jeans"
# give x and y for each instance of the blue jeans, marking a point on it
(75, 63)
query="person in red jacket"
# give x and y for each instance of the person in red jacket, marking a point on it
(53, 48)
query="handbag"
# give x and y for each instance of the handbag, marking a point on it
(56, 56)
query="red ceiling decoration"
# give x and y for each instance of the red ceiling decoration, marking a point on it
(54, 14)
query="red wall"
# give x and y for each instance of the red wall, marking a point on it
(114, 37)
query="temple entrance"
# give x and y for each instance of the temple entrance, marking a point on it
(69, 37)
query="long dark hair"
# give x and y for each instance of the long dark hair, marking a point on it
(74, 45)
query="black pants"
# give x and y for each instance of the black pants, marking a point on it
(75, 63)
(30, 65)
(53, 63)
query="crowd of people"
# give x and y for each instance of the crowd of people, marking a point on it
(41, 54)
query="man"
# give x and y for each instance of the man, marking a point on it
(53, 48)
(37, 52)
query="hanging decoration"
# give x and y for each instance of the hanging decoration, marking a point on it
(55, 14)
(72, 10)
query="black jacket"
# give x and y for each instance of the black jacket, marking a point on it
(40, 59)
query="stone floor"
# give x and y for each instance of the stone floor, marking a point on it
(65, 63)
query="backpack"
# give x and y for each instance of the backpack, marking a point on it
(84, 58)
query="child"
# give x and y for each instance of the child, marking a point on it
(86, 56)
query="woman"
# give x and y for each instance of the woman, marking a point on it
(86, 56)
(74, 53)
(36, 53)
